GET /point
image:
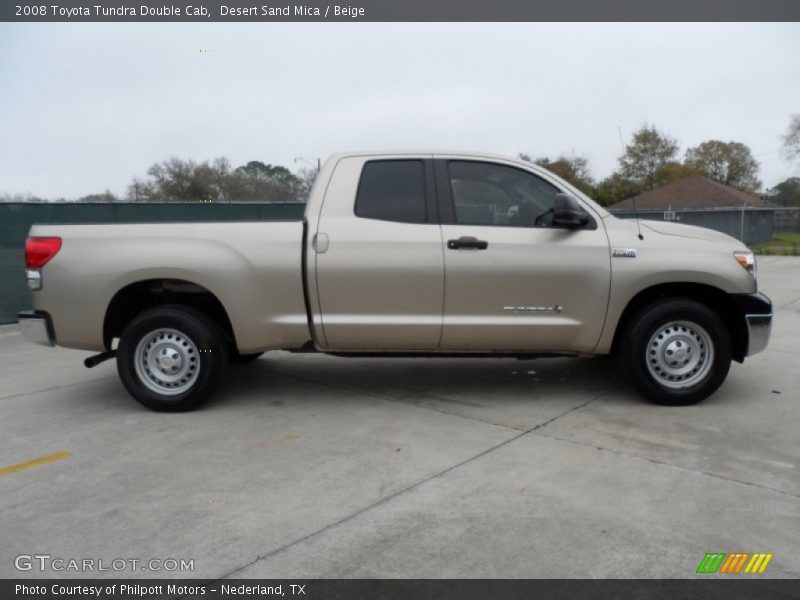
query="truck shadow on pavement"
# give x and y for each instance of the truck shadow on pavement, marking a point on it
(445, 384)
(466, 382)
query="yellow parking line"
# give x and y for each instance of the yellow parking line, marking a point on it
(33, 463)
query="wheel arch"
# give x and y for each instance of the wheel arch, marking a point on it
(134, 298)
(714, 298)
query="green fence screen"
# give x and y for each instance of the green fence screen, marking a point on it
(16, 219)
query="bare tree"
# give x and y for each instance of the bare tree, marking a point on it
(791, 141)
(307, 176)
(176, 180)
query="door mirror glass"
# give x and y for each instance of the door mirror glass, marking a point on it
(568, 212)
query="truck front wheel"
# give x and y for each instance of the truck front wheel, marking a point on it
(171, 358)
(677, 351)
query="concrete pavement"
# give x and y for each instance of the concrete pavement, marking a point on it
(316, 466)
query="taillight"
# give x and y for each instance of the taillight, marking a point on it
(39, 250)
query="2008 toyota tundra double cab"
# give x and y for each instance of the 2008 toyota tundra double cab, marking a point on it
(402, 254)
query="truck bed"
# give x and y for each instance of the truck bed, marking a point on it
(254, 268)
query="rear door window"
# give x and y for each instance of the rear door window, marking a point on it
(392, 190)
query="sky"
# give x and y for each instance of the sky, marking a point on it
(86, 107)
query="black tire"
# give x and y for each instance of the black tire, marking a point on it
(243, 359)
(188, 334)
(661, 336)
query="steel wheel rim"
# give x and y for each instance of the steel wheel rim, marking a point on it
(167, 361)
(679, 354)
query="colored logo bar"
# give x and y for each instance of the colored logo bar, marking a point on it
(734, 563)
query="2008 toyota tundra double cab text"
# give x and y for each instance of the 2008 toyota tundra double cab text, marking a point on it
(411, 254)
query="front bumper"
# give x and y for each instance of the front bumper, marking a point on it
(759, 328)
(757, 311)
(36, 327)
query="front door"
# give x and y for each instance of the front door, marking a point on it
(513, 280)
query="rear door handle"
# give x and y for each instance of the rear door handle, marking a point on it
(469, 242)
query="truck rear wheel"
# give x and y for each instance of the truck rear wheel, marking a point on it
(171, 358)
(677, 351)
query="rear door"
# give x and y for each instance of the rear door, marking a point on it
(379, 260)
(514, 281)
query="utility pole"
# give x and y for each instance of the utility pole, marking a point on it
(741, 234)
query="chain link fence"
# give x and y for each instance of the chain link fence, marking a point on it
(750, 225)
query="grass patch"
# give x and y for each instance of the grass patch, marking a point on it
(781, 244)
(788, 238)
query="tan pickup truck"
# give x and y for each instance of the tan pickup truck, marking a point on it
(402, 254)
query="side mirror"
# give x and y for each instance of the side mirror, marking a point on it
(567, 212)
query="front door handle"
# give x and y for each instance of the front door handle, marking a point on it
(469, 242)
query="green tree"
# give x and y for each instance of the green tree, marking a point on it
(731, 163)
(645, 157)
(673, 171)
(573, 169)
(265, 182)
(786, 193)
(259, 171)
(614, 188)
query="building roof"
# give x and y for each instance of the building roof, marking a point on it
(694, 191)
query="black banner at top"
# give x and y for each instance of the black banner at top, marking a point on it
(397, 10)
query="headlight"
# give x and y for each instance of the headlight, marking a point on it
(747, 260)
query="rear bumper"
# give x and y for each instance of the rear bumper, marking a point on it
(757, 311)
(36, 327)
